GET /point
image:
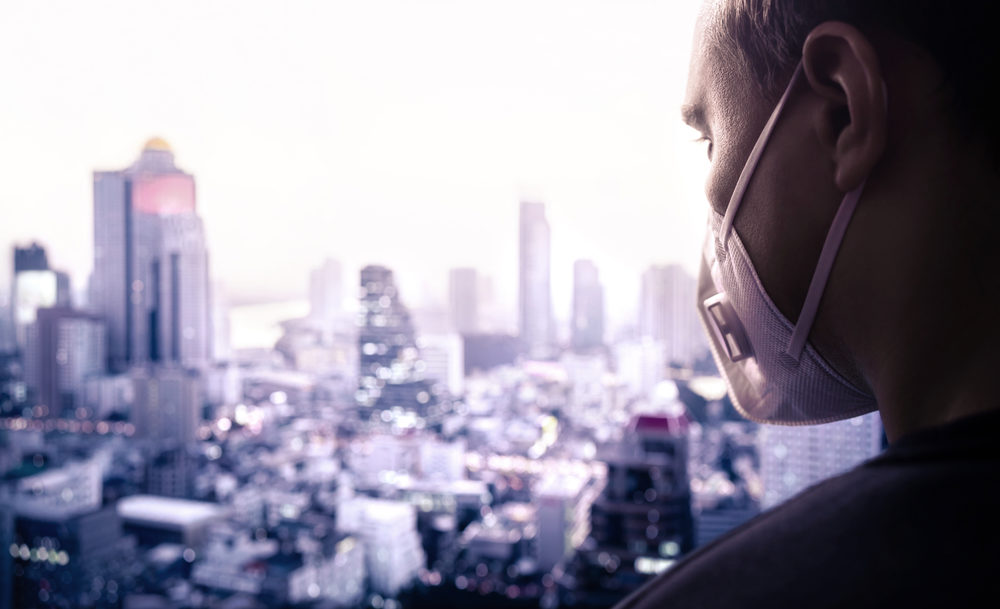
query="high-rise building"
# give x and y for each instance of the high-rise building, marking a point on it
(171, 473)
(59, 558)
(167, 404)
(391, 376)
(325, 291)
(444, 359)
(668, 313)
(34, 286)
(588, 306)
(535, 293)
(563, 515)
(792, 458)
(463, 299)
(392, 544)
(64, 539)
(67, 348)
(642, 523)
(150, 280)
(30, 258)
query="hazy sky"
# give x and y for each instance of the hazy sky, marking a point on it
(400, 132)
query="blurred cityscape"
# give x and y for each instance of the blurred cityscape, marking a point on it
(375, 455)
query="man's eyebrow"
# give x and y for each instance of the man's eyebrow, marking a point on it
(693, 115)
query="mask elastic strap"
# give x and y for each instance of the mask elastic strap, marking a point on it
(753, 159)
(818, 283)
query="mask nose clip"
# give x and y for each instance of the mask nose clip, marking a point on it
(727, 328)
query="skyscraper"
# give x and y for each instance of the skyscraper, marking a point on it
(34, 286)
(167, 404)
(150, 280)
(67, 348)
(391, 375)
(463, 300)
(65, 539)
(588, 306)
(30, 258)
(642, 523)
(792, 458)
(535, 294)
(668, 314)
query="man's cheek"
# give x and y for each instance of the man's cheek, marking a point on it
(716, 191)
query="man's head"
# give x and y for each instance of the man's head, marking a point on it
(766, 37)
(892, 93)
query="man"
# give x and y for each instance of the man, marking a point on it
(851, 264)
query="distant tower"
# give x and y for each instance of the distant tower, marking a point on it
(67, 348)
(150, 280)
(588, 306)
(167, 404)
(668, 314)
(463, 298)
(325, 291)
(30, 258)
(34, 286)
(793, 458)
(391, 375)
(642, 523)
(535, 310)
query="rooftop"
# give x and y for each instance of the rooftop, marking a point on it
(167, 510)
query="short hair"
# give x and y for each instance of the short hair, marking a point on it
(767, 36)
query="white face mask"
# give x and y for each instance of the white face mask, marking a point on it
(773, 374)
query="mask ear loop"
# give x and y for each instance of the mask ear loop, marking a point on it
(822, 273)
(753, 159)
(824, 266)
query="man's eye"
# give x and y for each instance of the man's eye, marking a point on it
(708, 149)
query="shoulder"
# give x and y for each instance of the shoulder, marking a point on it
(875, 536)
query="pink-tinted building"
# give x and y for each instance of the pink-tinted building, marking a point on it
(151, 280)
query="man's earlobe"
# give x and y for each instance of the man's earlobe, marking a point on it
(843, 69)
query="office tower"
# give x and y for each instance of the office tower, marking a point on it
(563, 515)
(792, 458)
(34, 286)
(668, 313)
(392, 543)
(535, 296)
(391, 374)
(150, 280)
(30, 258)
(171, 473)
(63, 540)
(588, 307)
(167, 404)
(444, 360)
(642, 522)
(463, 300)
(325, 291)
(67, 348)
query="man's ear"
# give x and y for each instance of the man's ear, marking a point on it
(841, 66)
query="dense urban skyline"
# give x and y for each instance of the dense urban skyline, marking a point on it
(446, 214)
(308, 125)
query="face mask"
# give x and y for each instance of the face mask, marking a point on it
(773, 374)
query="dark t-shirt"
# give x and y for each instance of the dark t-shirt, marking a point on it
(917, 526)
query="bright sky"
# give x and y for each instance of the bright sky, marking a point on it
(401, 132)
